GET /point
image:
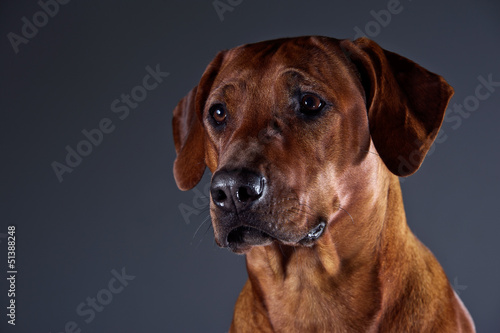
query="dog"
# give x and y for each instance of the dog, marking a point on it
(306, 138)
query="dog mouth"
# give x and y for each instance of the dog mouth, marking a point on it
(242, 238)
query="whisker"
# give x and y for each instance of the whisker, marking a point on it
(279, 245)
(347, 213)
(300, 204)
(202, 223)
(291, 221)
(204, 234)
(208, 228)
(301, 210)
(307, 206)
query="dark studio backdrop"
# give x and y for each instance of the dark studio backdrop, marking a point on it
(111, 244)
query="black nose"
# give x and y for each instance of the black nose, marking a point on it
(236, 190)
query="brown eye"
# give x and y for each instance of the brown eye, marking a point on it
(311, 104)
(218, 113)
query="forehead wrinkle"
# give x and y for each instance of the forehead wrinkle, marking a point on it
(260, 70)
(225, 89)
(298, 76)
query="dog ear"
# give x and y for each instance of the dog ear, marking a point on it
(188, 130)
(406, 104)
(189, 165)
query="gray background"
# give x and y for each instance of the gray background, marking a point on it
(120, 207)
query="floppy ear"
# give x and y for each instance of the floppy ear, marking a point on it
(189, 134)
(189, 165)
(406, 104)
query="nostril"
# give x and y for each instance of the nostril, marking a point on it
(242, 194)
(220, 196)
(251, 192)
(236, 189)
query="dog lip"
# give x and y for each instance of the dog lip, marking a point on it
(240, 239)
(317, 231)
(246, 236)
(313, 234)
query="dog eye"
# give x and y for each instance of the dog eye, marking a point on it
(218, 113)
(311, 104)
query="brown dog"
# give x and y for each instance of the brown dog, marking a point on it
(305, 138)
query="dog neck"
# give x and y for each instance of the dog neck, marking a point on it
(343, 279)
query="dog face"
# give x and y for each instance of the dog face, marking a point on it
(297, 131)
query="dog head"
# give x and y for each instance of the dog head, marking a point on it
(297, 130)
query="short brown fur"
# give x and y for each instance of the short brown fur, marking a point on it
(367, 272)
